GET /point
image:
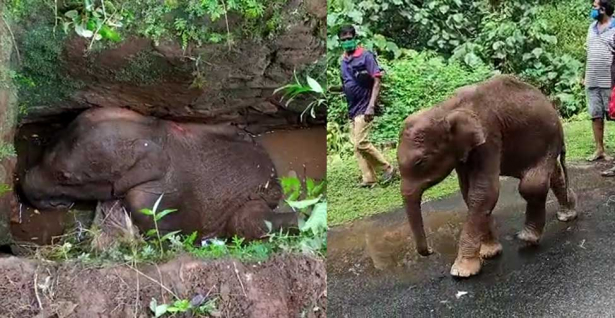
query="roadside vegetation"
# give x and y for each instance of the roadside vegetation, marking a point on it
(428, 49)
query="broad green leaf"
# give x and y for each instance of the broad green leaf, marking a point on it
(72, 14)
(458, 17)
(300, 205)
(471, 59)
(146, 211)
(537, 51)
(314, 85)
(161, 310)
(168, 235)
(82, 31)
(153, 304)
(157, 202)
(317, 221)
(164, 213)
(110, 34)
(151, 233)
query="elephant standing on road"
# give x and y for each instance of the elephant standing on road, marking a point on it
(501, 127)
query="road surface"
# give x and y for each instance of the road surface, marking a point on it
(571, 274)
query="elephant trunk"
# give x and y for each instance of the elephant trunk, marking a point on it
(413, 210)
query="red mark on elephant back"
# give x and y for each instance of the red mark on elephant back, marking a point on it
(178, 128)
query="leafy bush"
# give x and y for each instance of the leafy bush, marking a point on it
(514, 39)
(362, 15)
(568, 21)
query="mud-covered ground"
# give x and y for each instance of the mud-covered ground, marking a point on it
(284, 286)
(374, 270)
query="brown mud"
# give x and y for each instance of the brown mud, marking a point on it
(284, 286)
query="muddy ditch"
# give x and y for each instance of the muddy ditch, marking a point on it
(294, 152)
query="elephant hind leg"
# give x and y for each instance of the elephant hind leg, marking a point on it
(534, 187)
(564, 194)
(250, 220)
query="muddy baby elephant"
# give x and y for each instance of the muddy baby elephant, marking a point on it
(221, 181)
(500, 127)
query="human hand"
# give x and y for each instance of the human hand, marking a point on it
(369, 114)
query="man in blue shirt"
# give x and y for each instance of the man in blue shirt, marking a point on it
(361, 85)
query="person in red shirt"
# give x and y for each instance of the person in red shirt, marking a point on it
(361, 75)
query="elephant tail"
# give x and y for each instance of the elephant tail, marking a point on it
(562, 161)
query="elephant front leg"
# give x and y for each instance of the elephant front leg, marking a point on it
(490, 245)
(250, 221)
(534, 187)
(482, 197)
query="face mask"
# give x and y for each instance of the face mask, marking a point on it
(349, 45)
(596, 14)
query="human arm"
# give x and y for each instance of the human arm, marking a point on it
(375, 72)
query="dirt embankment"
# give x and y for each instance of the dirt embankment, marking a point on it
(285, 286)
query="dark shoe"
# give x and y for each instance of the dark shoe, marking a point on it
(367, 185)
(389, 175)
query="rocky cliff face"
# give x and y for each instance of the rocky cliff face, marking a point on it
(207, 83)
(8, 159)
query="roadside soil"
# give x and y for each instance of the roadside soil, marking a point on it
(284, 286)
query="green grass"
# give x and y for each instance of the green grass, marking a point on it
(349, 202)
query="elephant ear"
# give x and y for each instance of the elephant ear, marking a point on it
(466, 132)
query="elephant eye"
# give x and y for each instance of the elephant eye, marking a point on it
(418, 162)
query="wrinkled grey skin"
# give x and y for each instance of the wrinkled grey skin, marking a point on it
(501, 127)
(221, 181)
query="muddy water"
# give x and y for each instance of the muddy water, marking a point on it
(299, 152)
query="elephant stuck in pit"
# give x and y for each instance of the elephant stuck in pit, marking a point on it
(219, 179)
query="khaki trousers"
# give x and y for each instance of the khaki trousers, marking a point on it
(368, 157)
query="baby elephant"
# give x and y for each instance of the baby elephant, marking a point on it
(221, 182)
(501, 127)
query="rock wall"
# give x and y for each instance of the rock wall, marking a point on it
(207, 83)
(8, 159)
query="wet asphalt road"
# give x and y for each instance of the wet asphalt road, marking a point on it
(571, 274)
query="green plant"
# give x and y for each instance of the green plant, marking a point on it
(197, 306)
(362, 15)
(312, 205)
(95, 20)
(298, 89)
(515, 40)
(157, 216)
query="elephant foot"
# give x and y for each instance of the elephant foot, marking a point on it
(529, 236)
(566, 215)
(489, 250)
(466, 266)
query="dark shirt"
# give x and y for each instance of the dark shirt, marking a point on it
(358, 71)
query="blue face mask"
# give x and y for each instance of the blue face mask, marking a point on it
(595, 14)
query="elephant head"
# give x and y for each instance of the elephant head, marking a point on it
(432, 143)
(57, 181)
